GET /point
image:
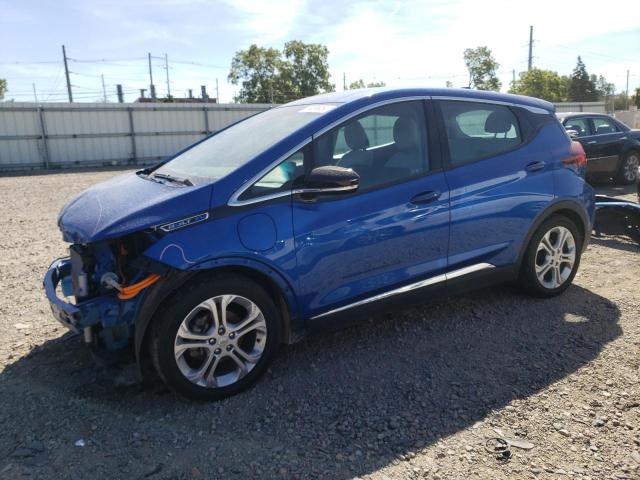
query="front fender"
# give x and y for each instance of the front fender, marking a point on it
(175, 279)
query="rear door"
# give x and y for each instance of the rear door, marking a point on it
(392, 232)
(606, 144)
(498, 178)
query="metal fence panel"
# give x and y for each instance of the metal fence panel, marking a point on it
(591, 107)
(86, 134)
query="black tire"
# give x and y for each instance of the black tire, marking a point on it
(528, 279)
(165, 328)
(629, 164)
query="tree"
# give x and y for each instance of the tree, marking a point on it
(543, 84)
(360, 84)
(635, 99)
(604, 89)
(581, 87)
(306, 68)
(259, 71)
(482, 69)
(268, 75)
(3, 87)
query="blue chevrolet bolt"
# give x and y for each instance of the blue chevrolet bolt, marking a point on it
(315, 213)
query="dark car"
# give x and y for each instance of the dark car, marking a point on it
(612, 148)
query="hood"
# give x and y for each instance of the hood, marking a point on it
(128, 203)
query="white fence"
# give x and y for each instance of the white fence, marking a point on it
(591, 107)
(59, 135)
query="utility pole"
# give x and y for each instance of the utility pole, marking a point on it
(166, 65)
(627, 100)
(35, 94)
(513, 75)
(66, 72)
(217, 92)
(530, 47)
(203, 91)
(344, 81)
(104, 89)
(152, 87)
(119, 92)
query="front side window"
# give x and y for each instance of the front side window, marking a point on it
(477, 130)
(579, 125)
(226, 151)
(278, 179)
(602, 126)
(384, 145)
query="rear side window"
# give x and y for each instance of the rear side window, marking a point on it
(478, 130)
(579, 125)
(602, 126)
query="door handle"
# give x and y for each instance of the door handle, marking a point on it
(535, 166)
(592, 142)
(425, 197)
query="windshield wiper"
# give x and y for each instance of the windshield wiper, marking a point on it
(171, 178)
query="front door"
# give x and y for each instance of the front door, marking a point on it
(393, 231)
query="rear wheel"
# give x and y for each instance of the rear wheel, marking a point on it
(552, 258)
(628, 172)
(216, 337)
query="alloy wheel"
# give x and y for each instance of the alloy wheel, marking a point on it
(220, 341)
(631, 167)
(555, 257)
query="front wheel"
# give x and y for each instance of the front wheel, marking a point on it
(552, 258)
(216, 337)
(628, 172)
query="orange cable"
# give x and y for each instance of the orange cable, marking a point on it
(132, 290)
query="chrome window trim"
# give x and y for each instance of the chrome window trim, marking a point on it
(413, 286)
(495, 102)
(234, 202)
(372, 106)
(349, 188)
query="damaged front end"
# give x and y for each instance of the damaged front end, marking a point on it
(617, 217)
(100, 287)
(104, 283)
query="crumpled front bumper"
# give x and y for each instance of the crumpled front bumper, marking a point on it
(105, 310)
(66, 313)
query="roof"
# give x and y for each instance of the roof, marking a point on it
(383, 93)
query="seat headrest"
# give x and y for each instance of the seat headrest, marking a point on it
(499, 121)
(355, 136)
(405, 134)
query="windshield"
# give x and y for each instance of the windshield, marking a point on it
(224, 152)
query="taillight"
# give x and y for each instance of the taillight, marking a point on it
(578, 158)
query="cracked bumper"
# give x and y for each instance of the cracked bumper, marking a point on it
(66, 313)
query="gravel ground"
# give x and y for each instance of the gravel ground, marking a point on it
(409, 395)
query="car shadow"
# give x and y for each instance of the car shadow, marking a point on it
(336, 405)
(613, 190)
(618, 243)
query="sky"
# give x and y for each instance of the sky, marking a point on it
(403, 43)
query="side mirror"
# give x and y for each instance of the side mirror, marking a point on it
(573, 133)
(329, 179)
